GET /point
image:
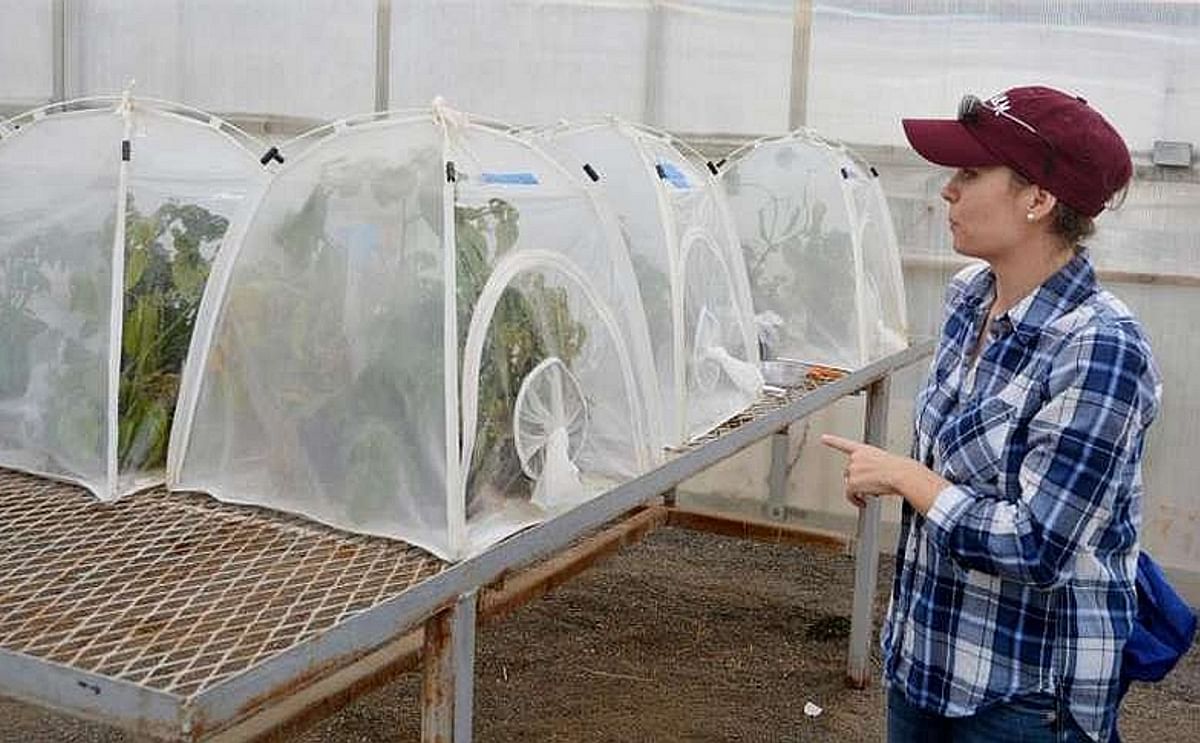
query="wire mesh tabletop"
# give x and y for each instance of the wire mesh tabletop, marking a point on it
(177, 592)
(773, 399)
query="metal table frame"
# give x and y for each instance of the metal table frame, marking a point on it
(446, 606)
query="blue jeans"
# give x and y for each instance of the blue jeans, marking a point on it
(1031, 719)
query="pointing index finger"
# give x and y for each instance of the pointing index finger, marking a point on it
(839, 443)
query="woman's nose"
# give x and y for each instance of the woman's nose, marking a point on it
(949, 193)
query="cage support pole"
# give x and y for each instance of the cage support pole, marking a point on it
(448, 673)
(866, 547)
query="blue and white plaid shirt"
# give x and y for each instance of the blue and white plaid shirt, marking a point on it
(1020, 579)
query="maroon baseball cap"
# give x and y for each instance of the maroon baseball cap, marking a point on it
(1053, 139)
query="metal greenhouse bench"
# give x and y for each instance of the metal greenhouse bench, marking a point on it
(181, 618)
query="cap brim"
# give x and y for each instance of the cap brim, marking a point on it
(947, 142)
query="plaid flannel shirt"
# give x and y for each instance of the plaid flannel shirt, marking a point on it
(1020, 579)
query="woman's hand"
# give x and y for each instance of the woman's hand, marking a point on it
(871, 471)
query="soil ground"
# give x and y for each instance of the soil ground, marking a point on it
(683, 637)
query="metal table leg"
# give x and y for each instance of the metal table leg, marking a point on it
(777, 481)
(448, 675)
(866, 548)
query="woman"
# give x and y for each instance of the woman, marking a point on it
(1014, 587)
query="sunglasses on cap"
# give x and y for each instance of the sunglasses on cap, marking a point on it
(972, 107)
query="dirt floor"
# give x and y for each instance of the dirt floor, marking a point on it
(683, 637)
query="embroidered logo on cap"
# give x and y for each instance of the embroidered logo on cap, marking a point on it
(999, 104)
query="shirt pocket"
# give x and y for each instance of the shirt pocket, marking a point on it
(971, 442)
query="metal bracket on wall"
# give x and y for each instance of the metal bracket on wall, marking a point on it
(1168, 154)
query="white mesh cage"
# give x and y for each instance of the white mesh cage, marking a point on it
(112, 213)
(368, 342)
(882, 296)
(820, 250)
(684, 251)
(188, 181)
(318, 380)
(59, 183)
(559, 285)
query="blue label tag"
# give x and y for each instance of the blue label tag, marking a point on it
(671, 174)
(511, 179)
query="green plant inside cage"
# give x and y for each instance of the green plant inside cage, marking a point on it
(530, 324)
(165, 271)
(356, 421)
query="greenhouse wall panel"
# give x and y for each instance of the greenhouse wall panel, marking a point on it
(312, 59)
(1171, 513)
(111, 44)
(724, 70)
(523, 61)
(1136, 70)
(26, 65)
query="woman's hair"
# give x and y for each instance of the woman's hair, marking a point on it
(1068, 224)
(1071, 225)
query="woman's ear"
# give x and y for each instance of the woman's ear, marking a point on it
(1041, 203)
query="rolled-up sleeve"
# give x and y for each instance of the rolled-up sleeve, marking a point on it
(1083, 447)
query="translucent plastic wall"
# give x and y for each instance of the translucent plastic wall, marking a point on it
(724, 66)
(312, 59)
(427, 330)
(112, 213)
(26, 53)
(1134, 59)
(683, 65)
(580, 57)
(687, 64)
(699, 66)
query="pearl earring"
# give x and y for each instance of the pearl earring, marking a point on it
(1029, 216)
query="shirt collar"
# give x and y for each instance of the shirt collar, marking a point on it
(1057, 295)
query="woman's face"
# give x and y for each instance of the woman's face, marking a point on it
(987, 212)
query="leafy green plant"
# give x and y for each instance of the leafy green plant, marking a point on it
(165, 272)
(355, 421)
(530, 324)
(331, 332)
(795, 253)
